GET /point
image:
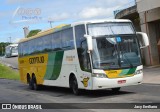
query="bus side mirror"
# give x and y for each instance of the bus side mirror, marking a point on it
(143, 39)
(89, 42)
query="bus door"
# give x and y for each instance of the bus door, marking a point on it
(85, 65)
(84, 61)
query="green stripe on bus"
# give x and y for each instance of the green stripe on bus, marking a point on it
(126, 72)
(54, 65)
(131, 71)
(51, 58)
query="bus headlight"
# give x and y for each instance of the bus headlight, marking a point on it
(138, 72)
(99, 75)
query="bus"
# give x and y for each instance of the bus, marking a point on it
(89, 55)
(11, 50)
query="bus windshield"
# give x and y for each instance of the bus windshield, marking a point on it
(115, 49)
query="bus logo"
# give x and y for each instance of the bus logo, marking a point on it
(36, 60)
(6, 106)
(85, 81)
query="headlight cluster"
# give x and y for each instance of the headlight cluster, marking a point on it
(99, 75)
(138, 71)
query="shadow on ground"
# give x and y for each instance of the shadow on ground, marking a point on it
(60, 92)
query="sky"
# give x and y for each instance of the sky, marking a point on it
(36, 14)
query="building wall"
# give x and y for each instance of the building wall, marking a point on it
(145, 5)
(131, 14)
(149, 12)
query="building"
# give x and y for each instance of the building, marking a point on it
(149, 22)
(129, 11)
(149, 13)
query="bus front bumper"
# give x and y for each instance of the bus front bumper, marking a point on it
(104, 83)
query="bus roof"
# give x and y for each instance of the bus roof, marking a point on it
(46, 32)
(100, 21)
(63, 26)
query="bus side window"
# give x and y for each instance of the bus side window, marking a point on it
(67, 39)
(39, 45)
(25, 48)
(31, 46)
(46, 43)
(56, 41)
(19, 50)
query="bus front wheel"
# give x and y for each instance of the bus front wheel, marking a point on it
(74, 85)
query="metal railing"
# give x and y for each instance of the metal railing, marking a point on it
(125, 6)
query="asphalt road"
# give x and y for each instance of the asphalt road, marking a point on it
(15, 92)
(13, 61)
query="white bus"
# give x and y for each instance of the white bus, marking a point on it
(88, 55)
(11, 50)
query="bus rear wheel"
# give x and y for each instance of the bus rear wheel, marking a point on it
(34, 83)
(31, 84)
(74, 86)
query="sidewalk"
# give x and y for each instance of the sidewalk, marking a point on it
(152, 74)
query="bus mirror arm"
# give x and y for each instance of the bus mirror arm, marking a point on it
(89, 42)
(143, 39)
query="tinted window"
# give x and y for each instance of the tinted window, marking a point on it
(52, 42)
(32, 47)
(67, 38)
(47, 44)
(79, 32)
(19, 50)
(56, 41)
(25, 48)
(39, 46)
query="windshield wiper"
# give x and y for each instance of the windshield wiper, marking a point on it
(122, 51)
(131, 65)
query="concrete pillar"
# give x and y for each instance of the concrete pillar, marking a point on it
(146, 51)
(147, 19)
(153, 44)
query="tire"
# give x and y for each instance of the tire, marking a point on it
(74, 86)
(116, 90)
(35, 85)
(31, 87)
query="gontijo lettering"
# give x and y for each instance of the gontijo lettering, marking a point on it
(36, 60)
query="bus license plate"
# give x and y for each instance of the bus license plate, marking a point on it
(121, 81)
